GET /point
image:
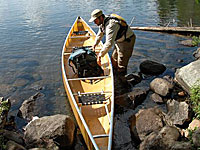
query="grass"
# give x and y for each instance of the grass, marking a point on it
(195, 99)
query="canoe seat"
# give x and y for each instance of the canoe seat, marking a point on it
(101, 136)
(79, 32)
(91, 99)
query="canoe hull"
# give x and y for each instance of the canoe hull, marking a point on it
(95, 121)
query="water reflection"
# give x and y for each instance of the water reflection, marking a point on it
(184, 12)
(33, 32)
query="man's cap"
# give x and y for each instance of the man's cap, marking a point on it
(95, 14)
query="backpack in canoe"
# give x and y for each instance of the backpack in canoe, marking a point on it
(85, 62)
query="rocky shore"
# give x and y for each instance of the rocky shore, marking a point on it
(146, 129)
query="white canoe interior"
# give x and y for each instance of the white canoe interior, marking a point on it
(95, 116)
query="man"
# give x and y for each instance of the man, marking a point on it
(117, 33)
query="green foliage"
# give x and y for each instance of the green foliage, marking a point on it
(197, 1)
(195, 98)
(4, 106)
(195, 40)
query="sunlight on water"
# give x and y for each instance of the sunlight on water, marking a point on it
(32, 33)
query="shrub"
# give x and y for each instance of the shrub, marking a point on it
(195, 98)
(195, 40)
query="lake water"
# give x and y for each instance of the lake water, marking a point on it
(32, 33)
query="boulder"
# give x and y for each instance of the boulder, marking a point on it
(178, 112)
(188, 75)
(164, 139)
(59, 128)
(138, 95)
(156, 98)
(133, 98)
(161, 86)
(149, 67)
(26, 111)
(147, 121)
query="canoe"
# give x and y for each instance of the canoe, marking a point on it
(94, 117)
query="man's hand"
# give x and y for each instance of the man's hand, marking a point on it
(99, 60)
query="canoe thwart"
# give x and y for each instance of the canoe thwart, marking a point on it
(101, 92)
(91, 99)
(89, 78)
(101, 136)
(79, 32)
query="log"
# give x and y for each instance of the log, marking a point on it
(182, 30)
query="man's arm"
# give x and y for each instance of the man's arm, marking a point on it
(111, 32)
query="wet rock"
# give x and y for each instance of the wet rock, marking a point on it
(151, 68)
(156, 98)
(196, 138)
(178, 112)
(11, 145)
(188, 75)
(196, 54)
(26, 111)
(133, 78)
(14, 136)
(147, 121)
(161, 86)
(138, 95)
(122, 100)
(132, 99)
(187, 43)
(164, 139)
(79, 144)
(59, 128)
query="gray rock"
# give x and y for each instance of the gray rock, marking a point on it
(188, 75)
(26, 111)
(161, 86)
(59, 128)
(178, 112)
(156, 98)
(148, 121)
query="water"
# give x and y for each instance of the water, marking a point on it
(32, 33)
